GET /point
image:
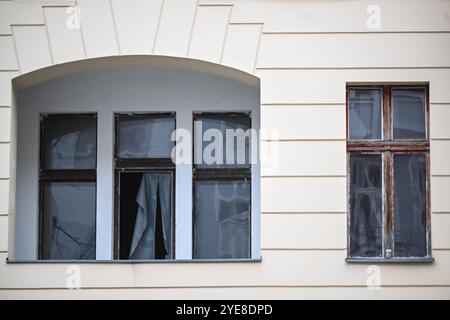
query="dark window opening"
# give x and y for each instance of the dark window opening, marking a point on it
(130, 183)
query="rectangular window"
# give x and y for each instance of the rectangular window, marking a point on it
(68, 187)
(388, 157)
(145, 184)
(222, 188)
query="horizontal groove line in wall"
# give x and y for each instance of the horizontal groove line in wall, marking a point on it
(54, 5)
(440, 212)
(27, 24)
(245, 23)
(304, 140)
(303, 249)
(343, 286)
(440, 103)
(290, 103)
(440, 175)
(215, 5)
(304, 176)
(301, 213)
(440, 139)
(303, 104)
(356, 32)
(352, 68)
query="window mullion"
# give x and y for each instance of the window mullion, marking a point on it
(389, 183)
(389, 206)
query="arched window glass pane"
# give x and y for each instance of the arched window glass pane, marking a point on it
(222, 140)
(222, 219)
(70, 141)
(68, 221)
(144, 136)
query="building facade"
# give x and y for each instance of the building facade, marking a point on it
(355, 203)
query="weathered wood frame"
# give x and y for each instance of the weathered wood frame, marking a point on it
(388, 147)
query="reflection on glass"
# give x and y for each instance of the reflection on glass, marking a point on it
(366, 205)
(410, 205)
(146, 136)
(68, 228)
(409, 113)
(364, 114)
(222, 219)
(225, 140)
(70, 142)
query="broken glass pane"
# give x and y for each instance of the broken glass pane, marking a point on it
(145, 136)
(68, 228)
(70, 142)
(409, 113)
(364, 114)
(222, 219)
(410, 205)
(366, 205)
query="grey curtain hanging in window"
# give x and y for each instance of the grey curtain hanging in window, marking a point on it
(153, 185)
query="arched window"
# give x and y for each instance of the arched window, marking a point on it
(107, 166)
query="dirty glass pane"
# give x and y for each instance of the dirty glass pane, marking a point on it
(222, 140)
(364, 114)
(409, 113)
(366, 205)
(68, 228)
(145, 136)
(70, 141)
(410, 205)
(222, 219)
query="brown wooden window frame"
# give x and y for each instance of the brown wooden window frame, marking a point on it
(133, 165)
(387, 147)
(47, 176)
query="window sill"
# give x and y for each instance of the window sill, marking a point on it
(427, 260)
(249, 260)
